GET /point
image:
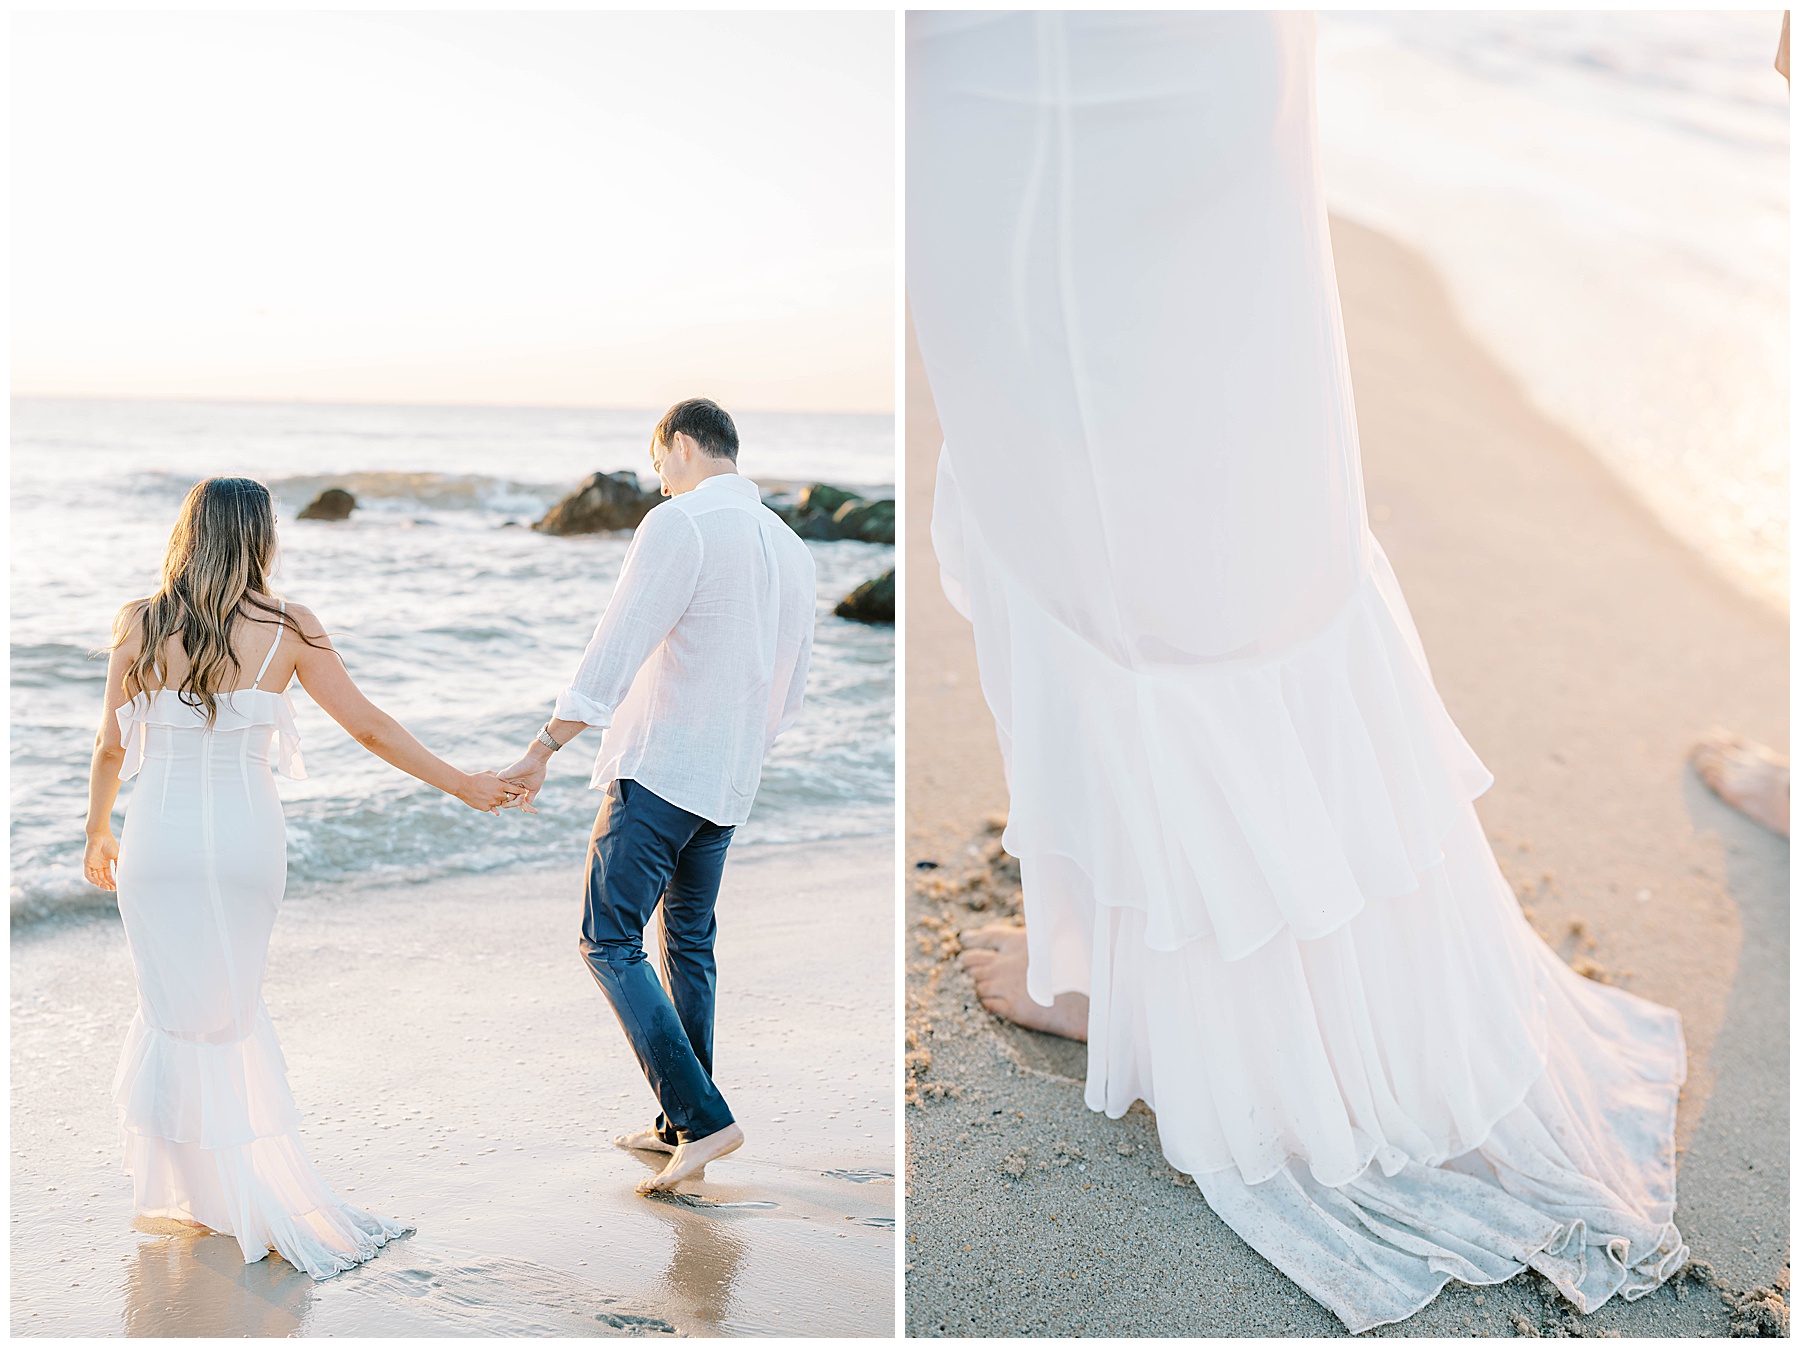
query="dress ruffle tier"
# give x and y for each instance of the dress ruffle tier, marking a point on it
(241, 710)
(211, 1135)
(1268, 877)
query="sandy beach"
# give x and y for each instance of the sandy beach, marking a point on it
(1582, 650)
(459, 1069)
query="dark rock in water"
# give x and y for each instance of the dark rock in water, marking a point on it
(823, 499)
(866, 521)
(870, 602)
(334, 503)
(814, 526)
(604, 501)
(827, 513)
(810, 521)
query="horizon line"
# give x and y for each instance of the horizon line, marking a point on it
(15, 395)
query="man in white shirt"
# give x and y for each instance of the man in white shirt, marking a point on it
(698, 663)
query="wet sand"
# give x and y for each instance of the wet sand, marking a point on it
(458, 1068)
(1583, 651)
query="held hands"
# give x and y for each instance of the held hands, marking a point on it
(100, 864)
(483, 791)
(528, 776)
(515, 787)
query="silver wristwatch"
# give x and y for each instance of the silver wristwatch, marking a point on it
(545, 738)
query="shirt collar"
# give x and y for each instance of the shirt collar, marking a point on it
(732, 482)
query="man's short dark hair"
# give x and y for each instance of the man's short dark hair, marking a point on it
(705, 421)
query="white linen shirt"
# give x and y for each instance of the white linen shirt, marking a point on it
(699, 660)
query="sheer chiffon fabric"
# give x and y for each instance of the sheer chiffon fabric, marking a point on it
(1242, 812)
(210, 1130)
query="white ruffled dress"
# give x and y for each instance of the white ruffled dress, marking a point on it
(1242, 813)
(210, 1130)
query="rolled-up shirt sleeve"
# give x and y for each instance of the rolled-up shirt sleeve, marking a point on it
(656, 584)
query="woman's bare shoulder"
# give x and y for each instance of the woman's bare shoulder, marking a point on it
(128, 627)
(308, 620)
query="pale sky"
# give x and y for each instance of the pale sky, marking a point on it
(586, 209)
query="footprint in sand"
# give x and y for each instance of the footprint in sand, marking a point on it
(508, 1297)
(864, 1176)
(413, 1282)
(695, 1201)
(879, 1223)
(635, 1324)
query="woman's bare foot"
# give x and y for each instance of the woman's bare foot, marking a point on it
(995, 958)
(1751, 779)
(647, 1140)
(170, 1226)
(691, 1159)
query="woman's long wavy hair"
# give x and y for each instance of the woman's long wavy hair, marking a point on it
(218, 563)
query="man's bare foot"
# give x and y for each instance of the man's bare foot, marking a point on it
(1753, 780)
(995, 958)
(647, 1140)
(691, 1159)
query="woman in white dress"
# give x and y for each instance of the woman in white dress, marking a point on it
(195, 708)
(1252, 872)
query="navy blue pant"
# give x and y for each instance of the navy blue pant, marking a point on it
(644, 852)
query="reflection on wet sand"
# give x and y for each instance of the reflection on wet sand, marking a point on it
(189, 1283)
(718, 1224)
(196, 1284)
(467, 1106)
(705, 1257)
(702, 1272)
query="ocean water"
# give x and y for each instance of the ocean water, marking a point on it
(1605, 194)
(459, 625)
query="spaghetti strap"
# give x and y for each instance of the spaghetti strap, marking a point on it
(272, 648)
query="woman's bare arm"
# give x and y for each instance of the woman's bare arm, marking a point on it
(328, 682)
(101, 857)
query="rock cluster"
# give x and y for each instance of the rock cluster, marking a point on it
(827, 513)
(822, 512)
